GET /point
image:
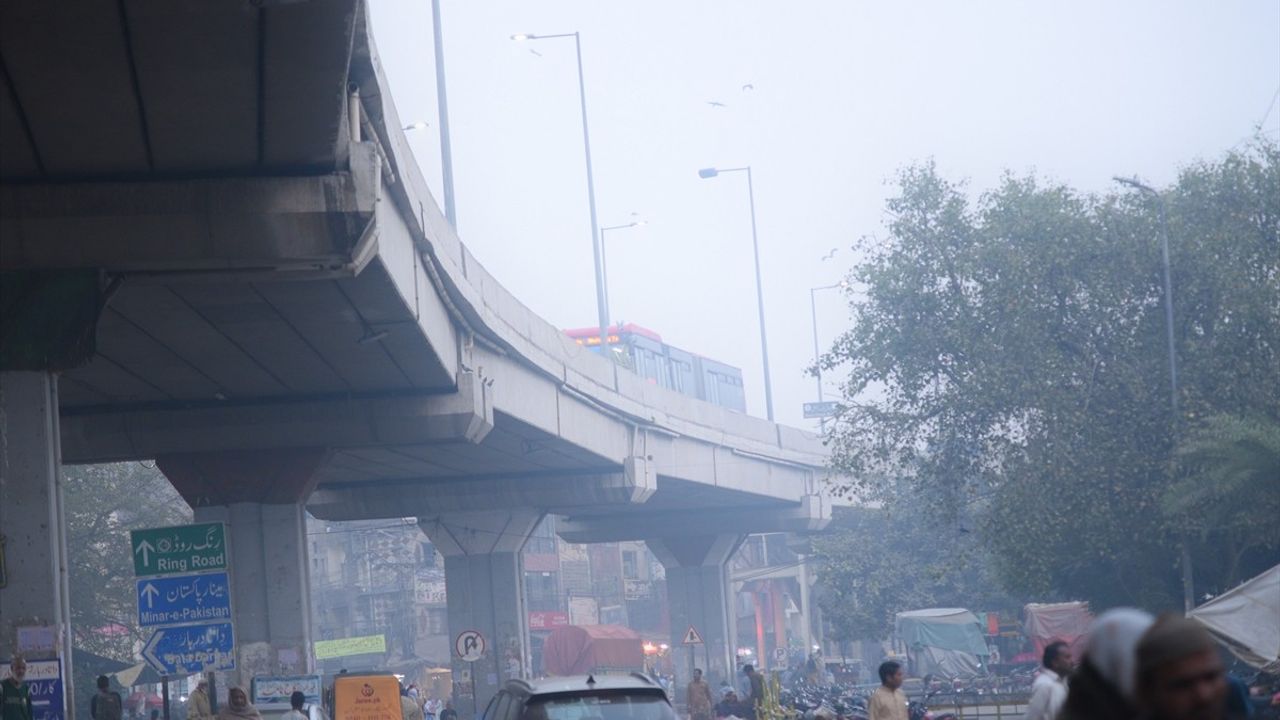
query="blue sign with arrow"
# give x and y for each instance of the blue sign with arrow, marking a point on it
(183, 599)
(190, 649)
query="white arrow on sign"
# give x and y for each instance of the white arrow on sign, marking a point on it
(150, 592)
(146, 548)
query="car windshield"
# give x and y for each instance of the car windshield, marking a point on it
(618, 705)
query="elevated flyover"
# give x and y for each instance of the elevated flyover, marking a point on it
(217, 251)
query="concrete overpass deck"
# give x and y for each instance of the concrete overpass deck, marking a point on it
(217, 251)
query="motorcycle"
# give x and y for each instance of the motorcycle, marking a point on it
(919, 709)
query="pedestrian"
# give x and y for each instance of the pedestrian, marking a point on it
(409, 709)
(1180, 673)
(448, 713)
(296, 700)
(1049, 691)
(699, 697)
(1104, 684)
(888, 702)
(238, 707)
(756, 682)
(155, 714)
(15, 695)
(106, 703)
(729, 705)
(198, 706)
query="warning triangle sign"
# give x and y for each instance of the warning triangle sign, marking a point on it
(691, 636)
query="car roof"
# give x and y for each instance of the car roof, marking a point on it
(579, 683)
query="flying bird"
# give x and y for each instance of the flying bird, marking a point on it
(831, 254)
(747, 87)
(714, 103)
(535, 52)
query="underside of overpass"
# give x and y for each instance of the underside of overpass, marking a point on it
(216, 251)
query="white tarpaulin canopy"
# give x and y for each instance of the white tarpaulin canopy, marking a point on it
(1247, 620)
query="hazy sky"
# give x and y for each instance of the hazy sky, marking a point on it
(845, 93)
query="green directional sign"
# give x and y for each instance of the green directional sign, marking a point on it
(179, 550)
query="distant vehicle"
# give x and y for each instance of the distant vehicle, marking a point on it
(605, 697)
(668, 366)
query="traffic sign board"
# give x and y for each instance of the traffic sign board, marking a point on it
(469, 645)
(179, 550)
(183, 599)
(821, 409)
(691, 636)
(189, 649)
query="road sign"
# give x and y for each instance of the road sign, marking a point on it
(691, 636)
(821, 409)
(780, 654)
(190, 649)
(179, 550)
(183, 599)
(469, 645)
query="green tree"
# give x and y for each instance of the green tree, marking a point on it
(877, 561)
(103, 503)
(1228, 490)
(1007, 358)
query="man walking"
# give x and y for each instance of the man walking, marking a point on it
(15, 696)
(1049, 691)
(106, 703)
(888, 702)
(198, 705)
(699, 697)
(755, 681)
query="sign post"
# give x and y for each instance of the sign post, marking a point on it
(823, 409)
(180, 549)
(184, 593)
(692, 638)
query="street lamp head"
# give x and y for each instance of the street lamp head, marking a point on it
(639, 223)
(521, 37)
(705, 173)
(1136, 184)
(417, 125)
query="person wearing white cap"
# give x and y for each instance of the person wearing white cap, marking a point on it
(1104, 686)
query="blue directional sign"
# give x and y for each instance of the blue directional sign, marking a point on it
(183, 599)
(189, 649)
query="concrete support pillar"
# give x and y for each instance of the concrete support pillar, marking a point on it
(260, 496)
(32, 521)
(698, 597)
(484, 584)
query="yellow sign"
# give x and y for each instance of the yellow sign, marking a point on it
(350, 646)
(366, 697)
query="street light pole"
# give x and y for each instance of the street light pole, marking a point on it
(604, 261)
(602, 310)
(817, 352)
(442, 109)
(1188, 587)
(755, 249)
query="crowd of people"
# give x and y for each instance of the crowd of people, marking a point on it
(1133, 665)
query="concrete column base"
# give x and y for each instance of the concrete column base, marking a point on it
(32, 520)
(484, 584)
(270, 588)
(698, 597)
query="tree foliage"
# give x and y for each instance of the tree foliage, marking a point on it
(875, 562)
(103, 503)
(1007, 358)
